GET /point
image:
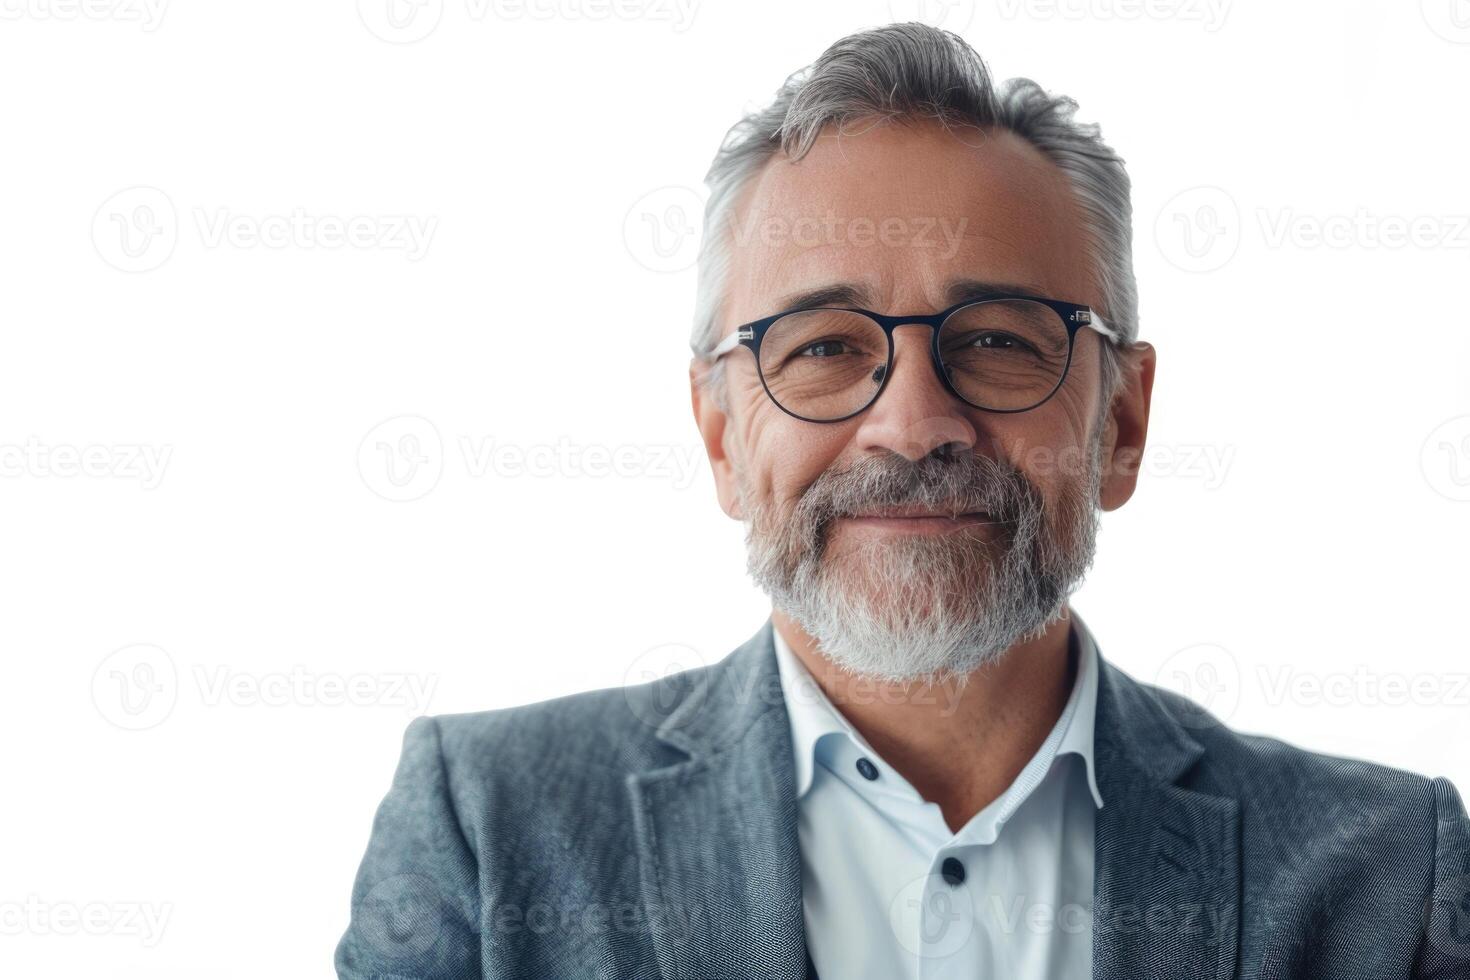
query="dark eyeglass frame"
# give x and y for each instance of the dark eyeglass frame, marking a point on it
(1074, 317)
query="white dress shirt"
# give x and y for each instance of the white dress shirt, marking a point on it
(890, 892)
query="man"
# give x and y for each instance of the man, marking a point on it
(917, 379)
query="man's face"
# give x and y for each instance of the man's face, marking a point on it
(898, 214)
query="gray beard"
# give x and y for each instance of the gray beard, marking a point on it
(926, 607)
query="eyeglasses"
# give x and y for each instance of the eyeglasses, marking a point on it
(1001, 353)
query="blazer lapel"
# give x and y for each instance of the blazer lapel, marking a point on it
(1167, 888)
(718, 852)
(720, 861)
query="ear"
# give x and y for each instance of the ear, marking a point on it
(1127, 426)
(713, 422)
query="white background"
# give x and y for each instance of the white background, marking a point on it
(173, 628)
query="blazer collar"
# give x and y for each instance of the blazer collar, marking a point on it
(720, 863)
(1166, 892)
(813, 715)
(718, 854)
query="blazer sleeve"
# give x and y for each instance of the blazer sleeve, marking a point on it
(1445, 952)
(416, 899)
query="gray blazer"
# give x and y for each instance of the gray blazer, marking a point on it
(650, 832)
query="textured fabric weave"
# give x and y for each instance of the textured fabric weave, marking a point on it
(651, 832)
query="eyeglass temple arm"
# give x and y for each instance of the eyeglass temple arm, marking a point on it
(730, 342)
(1101, 326)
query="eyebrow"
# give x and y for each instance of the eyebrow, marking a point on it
(856, 294)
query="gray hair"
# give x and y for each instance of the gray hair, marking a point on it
(917, 71)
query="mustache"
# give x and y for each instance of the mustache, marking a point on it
(952, 483)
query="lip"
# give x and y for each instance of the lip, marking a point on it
(918, 521)
(914, 512)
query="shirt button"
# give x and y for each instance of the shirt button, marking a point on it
(952, 871)
(867, 769)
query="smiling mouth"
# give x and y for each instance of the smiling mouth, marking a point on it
(918, 520)
(915, 512)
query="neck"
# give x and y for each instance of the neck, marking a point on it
(959, 745)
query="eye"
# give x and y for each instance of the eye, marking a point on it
(988, 341)
(993, 340)
(825, 348)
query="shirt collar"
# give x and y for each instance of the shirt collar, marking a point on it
(812, 715)
(1080, 733)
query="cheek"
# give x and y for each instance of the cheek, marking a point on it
(782, 455)
(1049, 444)
(1067, 422)
(1072, 413)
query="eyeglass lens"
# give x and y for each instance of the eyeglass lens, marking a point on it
(1005, 355)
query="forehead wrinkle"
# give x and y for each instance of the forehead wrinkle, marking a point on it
(872, 287)
(1013, 219)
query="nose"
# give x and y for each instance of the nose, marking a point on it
(915, 415)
